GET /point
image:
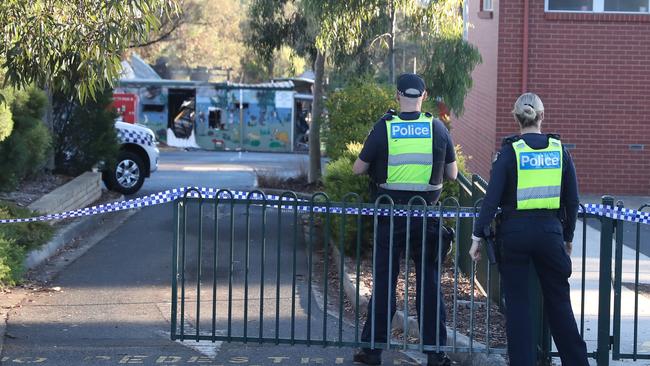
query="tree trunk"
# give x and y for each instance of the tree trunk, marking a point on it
(316, 112)
(391, 45)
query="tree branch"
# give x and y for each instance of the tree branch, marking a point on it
(378, 38)
(161, 37)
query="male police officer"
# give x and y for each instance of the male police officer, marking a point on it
(407, 155)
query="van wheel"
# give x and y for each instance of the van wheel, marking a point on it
(127, 175)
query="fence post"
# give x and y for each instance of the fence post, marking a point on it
(605, 285)
(540, 327)
(618, 275)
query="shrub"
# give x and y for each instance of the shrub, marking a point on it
(6, 122)
(12, 257)
(16, 240)
(353, 110)
(453, 189)
(29, 235)
(338, 181)
(25, 151)
(84, 134)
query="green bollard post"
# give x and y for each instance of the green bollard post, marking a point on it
(605, 285)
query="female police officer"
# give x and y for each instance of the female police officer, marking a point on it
(533, 180)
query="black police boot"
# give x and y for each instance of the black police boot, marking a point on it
(438, 359)
(367, 357)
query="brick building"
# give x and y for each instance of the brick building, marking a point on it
(589, 60)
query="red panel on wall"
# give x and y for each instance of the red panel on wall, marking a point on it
(126, 105)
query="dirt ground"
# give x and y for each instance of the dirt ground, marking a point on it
(464, 314)
(33, 189)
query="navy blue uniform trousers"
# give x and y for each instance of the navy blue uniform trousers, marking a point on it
(538, 240)
(430, 277)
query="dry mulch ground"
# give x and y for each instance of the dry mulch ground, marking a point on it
(463, 295)
(464, 311)
(33, 189)
(294, 184)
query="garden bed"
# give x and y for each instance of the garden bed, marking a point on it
(463, 299)
(31, 190)
(294, 184)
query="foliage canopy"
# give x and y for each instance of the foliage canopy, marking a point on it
(73, 46)
(204, 33)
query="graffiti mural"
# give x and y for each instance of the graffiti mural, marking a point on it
(255, 117)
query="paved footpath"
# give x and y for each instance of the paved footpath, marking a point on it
(592, 272)
(114, 303)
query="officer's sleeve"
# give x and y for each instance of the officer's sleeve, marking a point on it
(370, 146)
(569, 199)
(450, 154)
(492, 199)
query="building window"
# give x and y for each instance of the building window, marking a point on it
(486, 9)
(214, 118)
(599, 6)
(628, 6)
(486, 5)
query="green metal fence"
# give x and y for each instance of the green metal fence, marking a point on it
(259, 270)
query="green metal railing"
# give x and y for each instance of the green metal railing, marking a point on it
(259, 270)
(227, 286)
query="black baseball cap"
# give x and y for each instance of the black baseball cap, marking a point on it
(410, 85)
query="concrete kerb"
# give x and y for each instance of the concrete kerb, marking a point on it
(474, 359)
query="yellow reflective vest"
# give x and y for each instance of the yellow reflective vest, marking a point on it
(539, 175)
(410, 154)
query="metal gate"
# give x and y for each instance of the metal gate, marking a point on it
(248, 267)
(246, 271)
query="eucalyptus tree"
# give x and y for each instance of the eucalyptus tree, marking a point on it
(73, 46)
(336, 30)
(315, 28)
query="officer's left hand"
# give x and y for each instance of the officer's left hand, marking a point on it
(475, 250)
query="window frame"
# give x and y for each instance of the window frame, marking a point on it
(598, 7)
(484, 6)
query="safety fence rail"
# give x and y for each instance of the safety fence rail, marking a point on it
(263, 275)
(258, 269)
(245, 260)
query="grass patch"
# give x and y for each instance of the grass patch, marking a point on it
(18, 239)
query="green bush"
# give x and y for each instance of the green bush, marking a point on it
(29, 235)
(338, 181)
(87, 137)
(353, 110)
(25, 151)
(16, 240)
(6, 122)
(12, 257)
(452, 189)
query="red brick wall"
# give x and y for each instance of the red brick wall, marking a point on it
(592, 72)
(475, 130)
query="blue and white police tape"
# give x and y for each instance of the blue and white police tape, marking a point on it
(301, 205)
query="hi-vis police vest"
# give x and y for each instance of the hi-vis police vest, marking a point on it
(539, 175)
(410, 154)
